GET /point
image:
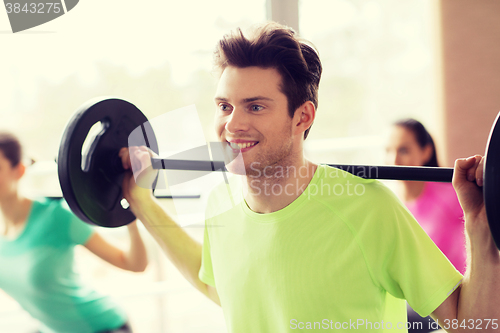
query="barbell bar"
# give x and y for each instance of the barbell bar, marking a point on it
(428, 174)
(91, 180)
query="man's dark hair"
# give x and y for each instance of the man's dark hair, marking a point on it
(275, 46)
(11, 148)
(422, 136)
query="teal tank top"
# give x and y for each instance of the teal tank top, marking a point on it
(37, 271)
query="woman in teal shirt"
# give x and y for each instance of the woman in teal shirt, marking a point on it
(37, 240)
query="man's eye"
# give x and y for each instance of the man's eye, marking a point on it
(256, 107)
(224, 107)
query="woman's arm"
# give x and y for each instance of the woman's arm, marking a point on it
(135, 259)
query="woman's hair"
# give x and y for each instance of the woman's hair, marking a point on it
(272, 45)
(422, 136)
(11, 148)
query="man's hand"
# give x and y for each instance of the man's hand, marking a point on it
(138, 181)
(479, 296)
(468, 182)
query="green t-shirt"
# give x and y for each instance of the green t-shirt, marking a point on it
(343, 256)
(37, 271)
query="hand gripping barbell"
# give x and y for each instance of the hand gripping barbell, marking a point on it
(93, 189)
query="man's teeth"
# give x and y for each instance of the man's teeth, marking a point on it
(242, 145)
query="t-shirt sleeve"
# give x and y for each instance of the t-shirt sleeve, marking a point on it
(78, 232)
(403, 259)
(206, 273)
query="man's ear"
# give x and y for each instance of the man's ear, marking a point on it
(304, 117)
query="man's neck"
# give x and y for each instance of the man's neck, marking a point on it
(278, 186)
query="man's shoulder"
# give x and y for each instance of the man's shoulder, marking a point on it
(359, 175)
(353, 197)
(352, 183)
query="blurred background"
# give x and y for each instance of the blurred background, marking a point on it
(436, 61)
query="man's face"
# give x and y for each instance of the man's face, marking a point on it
(252, 118)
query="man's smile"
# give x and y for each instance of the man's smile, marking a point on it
(241, 145)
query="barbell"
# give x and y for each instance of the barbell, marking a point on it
(91, 180)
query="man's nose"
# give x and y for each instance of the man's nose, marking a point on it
(237, 122)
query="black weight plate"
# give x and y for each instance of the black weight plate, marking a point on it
(491, 187)
(94, 191)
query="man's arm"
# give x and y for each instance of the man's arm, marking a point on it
(476, 304)
(180, 248)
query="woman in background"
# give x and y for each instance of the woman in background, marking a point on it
(434, 205)
(37, 240)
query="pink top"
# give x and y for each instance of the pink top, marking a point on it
(439, 213)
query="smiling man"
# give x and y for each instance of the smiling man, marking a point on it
(253, 117)
(306, 246)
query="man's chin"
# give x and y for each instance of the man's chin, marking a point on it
(236, 167)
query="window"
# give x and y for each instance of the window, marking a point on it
(158, 55)
(378, 66)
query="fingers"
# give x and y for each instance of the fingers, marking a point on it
(135, 157)
(462, 165)
(480, 171)
(469, 169)
(125, 158)
(471, 172)
(138, 160)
